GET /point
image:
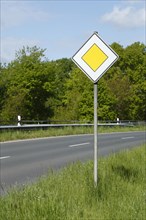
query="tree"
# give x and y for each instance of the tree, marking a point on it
(135, 63)
(106, 101)
(39, 89)
(76, 98)
(61, 73)
(26, 93)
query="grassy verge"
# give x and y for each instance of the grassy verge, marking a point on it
(14, 135)
(70, 194)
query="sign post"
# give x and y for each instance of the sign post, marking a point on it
(94, 58)
(95, 136)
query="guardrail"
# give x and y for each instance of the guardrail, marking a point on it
(46, 126)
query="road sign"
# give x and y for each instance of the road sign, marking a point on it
(95, 57)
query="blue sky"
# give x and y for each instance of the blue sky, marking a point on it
(61, 27)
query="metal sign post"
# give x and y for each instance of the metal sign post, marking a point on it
(94, 58)
(95, 136)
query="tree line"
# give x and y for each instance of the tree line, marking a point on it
(39, 89)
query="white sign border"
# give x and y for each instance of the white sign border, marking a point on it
(109, 52)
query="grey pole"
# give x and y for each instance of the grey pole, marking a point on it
(95, 135)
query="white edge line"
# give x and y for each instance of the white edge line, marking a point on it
(75, 145)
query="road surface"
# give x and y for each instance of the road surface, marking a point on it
(25, 160)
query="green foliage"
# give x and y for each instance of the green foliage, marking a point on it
(32, 86)
(106, 101)
(35, 88)
(25, 94)
(70, 193)
(78, 97)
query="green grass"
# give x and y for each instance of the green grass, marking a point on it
(70, 194)
(14, 135)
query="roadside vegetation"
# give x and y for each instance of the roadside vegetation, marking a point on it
(38, 89)
(70, 194)
(15, 135)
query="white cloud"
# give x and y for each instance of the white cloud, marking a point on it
(16, 13)
(127, 17)
(10, 45)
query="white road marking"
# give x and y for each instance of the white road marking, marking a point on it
(127, 138)
(4, 157)
(75, 145)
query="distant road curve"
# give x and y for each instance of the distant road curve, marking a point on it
(26, 160)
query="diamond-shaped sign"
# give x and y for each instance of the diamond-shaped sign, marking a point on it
(95, 57)
(90, 57)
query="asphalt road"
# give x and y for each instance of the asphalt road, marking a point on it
(25, 160)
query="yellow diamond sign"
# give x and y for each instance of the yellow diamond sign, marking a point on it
(95, 57)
